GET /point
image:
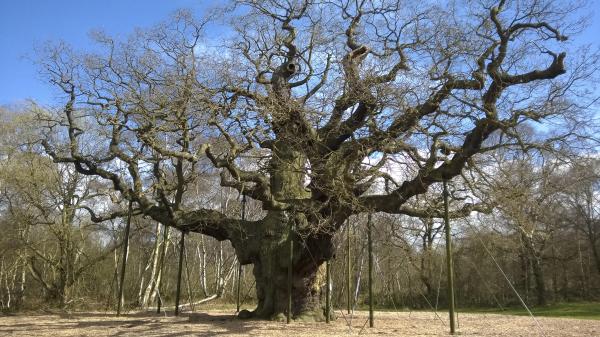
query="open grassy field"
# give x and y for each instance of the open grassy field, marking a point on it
(223, 323)
(583, 310)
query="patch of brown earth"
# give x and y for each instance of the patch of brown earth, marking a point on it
(222, 323)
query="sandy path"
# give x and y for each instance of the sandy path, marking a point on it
(221, 323)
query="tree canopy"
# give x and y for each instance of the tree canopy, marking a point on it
(302, 105)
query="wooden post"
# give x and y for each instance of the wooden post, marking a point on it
(289, 280)
(327, 292)
(162, 264)
(181, 252)
(449, 261)
(124, 262)
(370, 241)
(348, 265)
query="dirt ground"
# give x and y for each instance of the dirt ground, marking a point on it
(221, 323)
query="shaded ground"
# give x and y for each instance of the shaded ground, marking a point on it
(221, 323)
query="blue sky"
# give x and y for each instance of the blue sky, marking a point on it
(27, 23)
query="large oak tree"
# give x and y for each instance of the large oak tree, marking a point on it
(301, 105)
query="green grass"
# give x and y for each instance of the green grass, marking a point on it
(581, 310)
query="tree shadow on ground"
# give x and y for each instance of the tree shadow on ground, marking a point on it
(133, 324)
(228, 323)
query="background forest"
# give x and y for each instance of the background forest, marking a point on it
(542, 230)
(272, 135)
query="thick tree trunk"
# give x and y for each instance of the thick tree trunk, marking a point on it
(269, 253)
(266, 246)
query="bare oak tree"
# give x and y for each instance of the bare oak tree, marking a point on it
(300, 104)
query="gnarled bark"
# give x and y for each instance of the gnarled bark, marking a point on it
(268, 251)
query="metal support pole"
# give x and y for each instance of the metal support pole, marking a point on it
(181, 252)
(124, 262)
(348, 265)
(370, 241)
(327, 292)
(290, 261)
(162, 264)
(449, 261)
